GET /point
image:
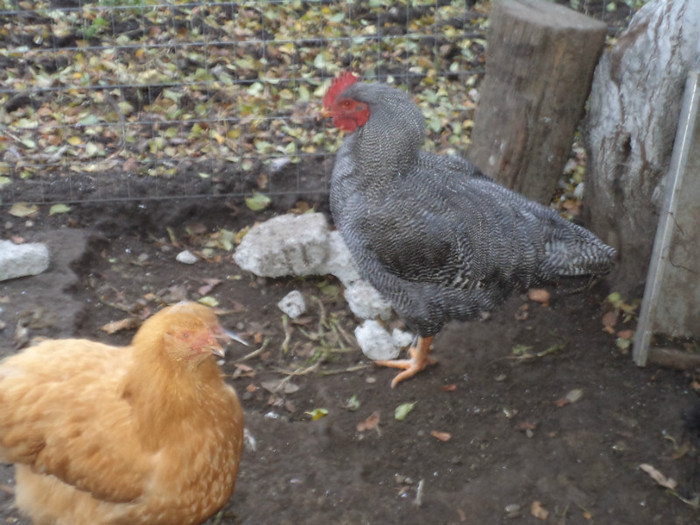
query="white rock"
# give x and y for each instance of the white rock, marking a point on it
(366, 302)
(375, 342)
(186, 257)
(293, 304)
(339, 261)
(285, 245)
(401, 339)
(20, 260)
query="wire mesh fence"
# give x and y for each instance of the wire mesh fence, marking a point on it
(131, 99)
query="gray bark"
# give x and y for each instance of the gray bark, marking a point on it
(633, 114)
(539, 66)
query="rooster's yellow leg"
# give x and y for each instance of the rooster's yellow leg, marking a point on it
(419, 359)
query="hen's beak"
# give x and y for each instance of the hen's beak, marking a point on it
(217, 350)
(325, 113)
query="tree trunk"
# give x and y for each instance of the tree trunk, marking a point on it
(539, 65)
(633, 114)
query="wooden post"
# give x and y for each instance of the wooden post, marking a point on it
(539, 67)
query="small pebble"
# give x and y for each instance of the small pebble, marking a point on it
(186, 257)
(293, 304)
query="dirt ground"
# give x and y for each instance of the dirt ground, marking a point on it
(517, 453)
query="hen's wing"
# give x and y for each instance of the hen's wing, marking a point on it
(62, 413)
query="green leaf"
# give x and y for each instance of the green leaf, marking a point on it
(88, 120)
(622, 343)
(615, 299)
(303, 93)
(353, 403)
(403, 410)
(257, 202)
(4, 181)
(227, 239)
(59, 208)
(521, 349)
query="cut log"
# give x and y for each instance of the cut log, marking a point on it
(539, 66)
(630, 128)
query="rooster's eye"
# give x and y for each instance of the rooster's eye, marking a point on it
(346, 104)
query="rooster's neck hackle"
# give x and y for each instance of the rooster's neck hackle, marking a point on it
(389, 143)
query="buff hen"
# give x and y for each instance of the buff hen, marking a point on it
(144, 434)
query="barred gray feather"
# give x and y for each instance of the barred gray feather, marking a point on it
(432, 233)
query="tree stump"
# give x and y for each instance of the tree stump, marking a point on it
(630, 128)
(539, 66)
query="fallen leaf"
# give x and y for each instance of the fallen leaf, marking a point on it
(17, 239)
(441, 436)
(571, 397)
(279, 385)
(353, 403)
(623, 344)
(257, 202)
(538, 511)
(208, 300)
(609, 321)
(526, 425)
(625, 334)
(539, 295)
(22, 209)
(449, 388)
(209, 286)
(370, 423)
(59, 208)
(657, 476)
(317, 413)
(118, 326)
(402, 410)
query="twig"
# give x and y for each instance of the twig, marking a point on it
(254, 353)
(418, 501)
(349, 340)
(344, 370)
(321, 316)
(299, 372)
(287, 334)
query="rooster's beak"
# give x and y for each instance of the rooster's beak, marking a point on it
(325, 113)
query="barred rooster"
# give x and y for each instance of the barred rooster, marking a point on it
(437, 237)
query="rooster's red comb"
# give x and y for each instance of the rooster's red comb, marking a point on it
(340, 84)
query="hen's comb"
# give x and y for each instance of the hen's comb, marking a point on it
(340, 84)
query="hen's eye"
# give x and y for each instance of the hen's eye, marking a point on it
(346, 104)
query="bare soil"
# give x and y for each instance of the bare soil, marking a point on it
(515, 448)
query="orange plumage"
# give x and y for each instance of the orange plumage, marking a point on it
(144, 434)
